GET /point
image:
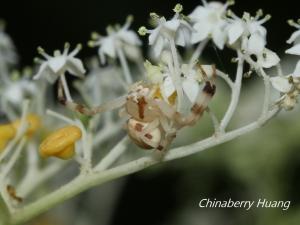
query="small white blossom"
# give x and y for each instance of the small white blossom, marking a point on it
(97, 84)
(248, 30)
(289, 87)
(209, 21)
(57, 65)
(281, 83)
(117, 38)
(7, 49)
(250, 36)
(191, 80)
(176, 29)
(294, 39)
(16, 89)
(267, 58)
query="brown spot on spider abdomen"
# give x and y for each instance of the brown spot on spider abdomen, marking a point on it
(141, 106)
(139, 127)
(149, 136)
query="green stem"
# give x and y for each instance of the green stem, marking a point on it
(86, 181)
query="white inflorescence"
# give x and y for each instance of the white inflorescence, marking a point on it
(157, 96)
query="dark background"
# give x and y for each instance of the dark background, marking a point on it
(50, 23)
(159, 195)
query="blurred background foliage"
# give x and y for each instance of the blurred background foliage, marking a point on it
(263, 164)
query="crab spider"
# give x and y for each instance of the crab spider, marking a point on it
(152, 123)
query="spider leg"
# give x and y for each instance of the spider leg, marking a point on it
(199, 107)
(116, 103)
(168, 134)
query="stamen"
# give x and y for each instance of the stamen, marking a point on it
(95, 36)
(128, 22)
(142, 31)
(259, 14)
(42, 52)
(178, 8)
(76, 50)
(267, 17)
(57, 53)
(66, 48)
(154, 16)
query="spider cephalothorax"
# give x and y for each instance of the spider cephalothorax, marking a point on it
(152, 116)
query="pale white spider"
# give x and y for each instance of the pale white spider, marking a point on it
(152, 122)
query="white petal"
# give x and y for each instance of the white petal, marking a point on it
(256, 44)
(172, 25)
(154, 35)
(108, 47)
(281, 84)
(57, 63)
(268, 59)
(168, 87)
(75, 67)
(293, 37)
(295, 50)
(132, 52)
(158, 46)
(202, 31)
(198, 14)
(14, 93)
(296, 72)
(191, 89)
(129, 37)
(180, 39)
(235, 31)
(219, 38)
(255, 27)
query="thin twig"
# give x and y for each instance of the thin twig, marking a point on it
(113, 155)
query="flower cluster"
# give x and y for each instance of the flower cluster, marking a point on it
(156, 96)
(289, 85)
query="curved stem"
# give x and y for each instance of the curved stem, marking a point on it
(124, 65)
(113, 155)
(235, 94)
(197, 53)
(66, 87)
(86, 181)
(226, 78)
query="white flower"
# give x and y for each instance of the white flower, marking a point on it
(208, 22)
(267, 58)
(7, 49)
(191, 80)
(98, 83)
(57, 65)
(248, 30)
(117, 38)
(176, 28)
(248, 34)
(288, 86)
(16, 91)
(281, 83)
(295, 38)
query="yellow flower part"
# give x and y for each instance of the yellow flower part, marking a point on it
(171, 98)
(9, 131)
(61, 143)
(34, 124)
